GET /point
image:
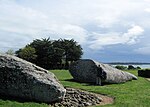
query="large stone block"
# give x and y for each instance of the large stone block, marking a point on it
(85, 70)
(21, 79)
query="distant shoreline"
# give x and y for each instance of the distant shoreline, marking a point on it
(127, 63)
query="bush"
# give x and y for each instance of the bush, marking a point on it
(121, 67)
(130, 67)
(27, 53)
(138, 67)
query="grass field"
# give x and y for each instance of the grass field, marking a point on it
(134, 93)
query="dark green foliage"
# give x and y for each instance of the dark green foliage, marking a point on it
(28, 53)
(44, 52)
(138, 67)
(121, 67)
(70, 50)
(51, 54)
(130, 67)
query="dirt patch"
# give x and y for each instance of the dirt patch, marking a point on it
(80, 98)
(106, 100)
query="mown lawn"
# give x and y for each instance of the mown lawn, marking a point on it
(134, 93)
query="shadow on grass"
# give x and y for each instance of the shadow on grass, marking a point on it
(88, 84)
(18, 99)
(4, 97)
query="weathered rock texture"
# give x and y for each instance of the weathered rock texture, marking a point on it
(79, 98)
(85, 70)
(21, 79)
(144, 73)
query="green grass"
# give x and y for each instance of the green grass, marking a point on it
(134, 93)
(8, 103)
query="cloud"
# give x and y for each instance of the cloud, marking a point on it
(102, 40)
(18, 24)
(132, 34)
(68, 31)
(147, 9)
(18, 21)
(143, 50)
(96, 24)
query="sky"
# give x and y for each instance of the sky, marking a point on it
(108, 30)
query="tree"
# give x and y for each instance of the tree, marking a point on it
(72, 50)
(28, 53)
(51, 53)
(57, 57)
(10, 52)
(44, 52)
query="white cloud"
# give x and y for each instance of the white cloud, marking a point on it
(21, 21)
(25, 20)
(132, 34)
(101, 40)
(68, 31)
(147, 9)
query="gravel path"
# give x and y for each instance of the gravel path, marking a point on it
(79, 98)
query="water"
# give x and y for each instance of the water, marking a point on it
(143, 66)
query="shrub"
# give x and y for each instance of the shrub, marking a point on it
(138, 67)
(130, 67)
(121, 67)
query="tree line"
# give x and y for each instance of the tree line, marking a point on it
(51, 54)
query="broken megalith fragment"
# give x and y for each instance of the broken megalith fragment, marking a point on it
(85, 70)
